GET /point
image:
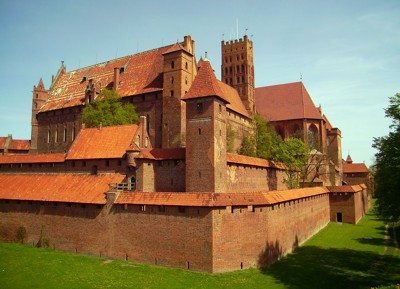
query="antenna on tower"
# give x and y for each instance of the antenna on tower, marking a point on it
(237, 29)
(301, 77)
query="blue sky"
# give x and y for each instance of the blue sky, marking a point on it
(348, 52)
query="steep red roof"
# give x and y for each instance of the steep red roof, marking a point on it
(235, 103)
(355, 168)
(32, 158)
(103, 143)
(246, 160)
(285, 102)
(142, 73)
(349, 159)
(216, 199)
(205, 84)
(73, 188)
(2, 142)
(162, 154)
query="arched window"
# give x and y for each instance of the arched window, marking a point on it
(313, 137)
(296, 131)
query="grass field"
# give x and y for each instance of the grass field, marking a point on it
(340, 256)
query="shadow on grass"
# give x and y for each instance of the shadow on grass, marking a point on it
(313, 267)
(376, 241)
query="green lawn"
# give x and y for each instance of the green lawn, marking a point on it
(340, 256)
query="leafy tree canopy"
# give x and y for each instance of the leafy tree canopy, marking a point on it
(387, 168)
(108, 110)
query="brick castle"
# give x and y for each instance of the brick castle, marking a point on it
(166, 190)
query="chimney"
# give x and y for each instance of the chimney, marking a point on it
(116, 78)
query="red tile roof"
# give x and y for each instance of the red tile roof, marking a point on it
(346, 189)
(349, 159)
(32, 158)
(142, 74)
(19, 144)
(72, 188)
(285, 102)
(162, 154)
(354, 168)
(235, 103)
(2, 142)
(104, 143)
(246, 160)
(216, 199)
(205, 84)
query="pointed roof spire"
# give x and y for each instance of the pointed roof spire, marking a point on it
(349, 160)
(40, 84)
(205, 84)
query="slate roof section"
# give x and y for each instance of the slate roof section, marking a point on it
(246, 160)
(216, 199)
(32, 158)
(142, 74)
(285, 102)
(71, 188)
(104, 143)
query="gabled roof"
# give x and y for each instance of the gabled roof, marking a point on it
(216, 199)
(142, 74)
(285, 102)
(205, 83)
(349, 159)
(32, 158)
(102, 143)
(74, 188)
(354, 168)
(176, 47)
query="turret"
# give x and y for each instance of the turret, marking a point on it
(39, 97)
(206, 117)
(179, 71)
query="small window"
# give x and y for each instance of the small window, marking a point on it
(65, 135)
(161, 208)
(119, 163)
(48, 136)
(172, 93)
(199, 107)
(73, 133)
(181, 209)
(172, 80)
(84, 164)
(186, 65)
(220, 109)
(107, 163)
(172, 65)
(142, 208)
(199, 131)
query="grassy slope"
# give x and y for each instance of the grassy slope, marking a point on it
(340, 256)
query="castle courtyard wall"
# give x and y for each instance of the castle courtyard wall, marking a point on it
(263, 234)
(203, 238)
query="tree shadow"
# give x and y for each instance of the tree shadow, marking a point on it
(376, 241)
(313, 267)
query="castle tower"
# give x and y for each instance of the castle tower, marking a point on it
(39, 97)
(179, 72)
(237, 69)
(206, 118)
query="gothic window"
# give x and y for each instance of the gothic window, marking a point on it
(313, 139)
(48, 136)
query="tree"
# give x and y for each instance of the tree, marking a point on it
(294, 153)
(230, 139)
(387, 175)
(108, 110)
